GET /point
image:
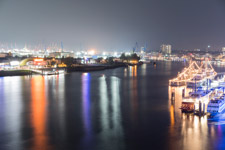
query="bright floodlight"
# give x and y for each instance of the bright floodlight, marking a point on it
(91, 52)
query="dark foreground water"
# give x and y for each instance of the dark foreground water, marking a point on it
(124, 108)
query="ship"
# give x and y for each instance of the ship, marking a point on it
(216, 106)
(191, 102)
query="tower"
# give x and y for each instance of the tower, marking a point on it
(223, 50)
(62, 46)
(145, 47)
(136, 46)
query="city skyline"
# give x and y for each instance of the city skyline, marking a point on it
(59, 46)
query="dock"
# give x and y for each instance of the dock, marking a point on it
(205, 85)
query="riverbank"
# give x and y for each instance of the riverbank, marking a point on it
(15, 73)
(82, 68)
(87, 68)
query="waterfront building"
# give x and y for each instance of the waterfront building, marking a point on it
(55, 54)
(61, 54)
(223, 50)
(197, 50)
(166, 49)
(3, 55)
(67, 54)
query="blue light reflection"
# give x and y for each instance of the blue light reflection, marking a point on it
(86, 103)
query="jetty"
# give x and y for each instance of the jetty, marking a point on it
(194, 74)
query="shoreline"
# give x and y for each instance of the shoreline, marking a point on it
(87, 68)
(15, 73)
(93, 68)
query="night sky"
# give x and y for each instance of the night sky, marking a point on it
(114, 24)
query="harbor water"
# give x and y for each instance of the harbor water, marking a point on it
(116, 109)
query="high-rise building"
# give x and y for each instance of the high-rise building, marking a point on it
(223, 50)
(166, 49)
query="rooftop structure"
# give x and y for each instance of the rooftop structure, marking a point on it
(194, 73)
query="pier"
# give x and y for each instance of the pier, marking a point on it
(194, 74)
(205, 85)
(48, 71)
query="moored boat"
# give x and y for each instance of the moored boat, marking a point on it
(216, 106)
(194, 99)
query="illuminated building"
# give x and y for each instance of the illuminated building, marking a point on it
(223, 50)
(197, 50)
(55, 54)
(166, 49)
(39, 61)
(133, 61)
(3, 55)
(61, 54)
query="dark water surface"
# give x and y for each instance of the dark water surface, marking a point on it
(124, 108)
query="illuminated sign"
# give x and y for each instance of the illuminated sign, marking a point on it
(38, 59)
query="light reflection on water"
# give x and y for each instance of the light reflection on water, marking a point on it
(55, 93)
(86, 106)
(59, 98)
(134, 93)
(110, 120)
(192, 130)
(126, 108)
(143, 69)
(38, 113)
(104, 104)
(2, 108)
(117, 130)
(13, 109)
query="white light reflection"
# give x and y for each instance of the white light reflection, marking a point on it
(116, 120)
(168, 67)
(13, 110)
(59, 86)
(143, 69)
(104, 103)
(192, 130)
(2, 105)
(111, 134)
(125, 72)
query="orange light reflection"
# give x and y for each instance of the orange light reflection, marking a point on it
(38, 117)
(134, 93)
